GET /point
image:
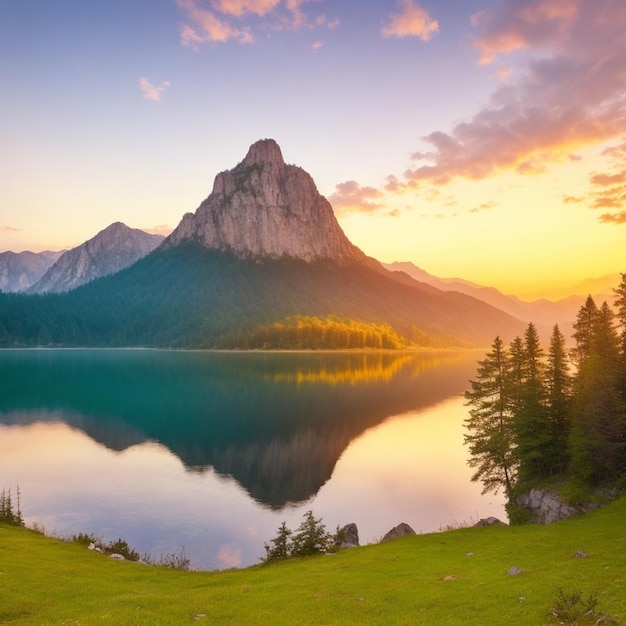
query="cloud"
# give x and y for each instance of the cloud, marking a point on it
(614, 198)
(207, 27)
(606, 180)
(240, 7)
(150, 91)
(485, 206)
(522, 24)
(224, 20)
(412, 20)
(572, 199)
(504, 73)
(570, 95)
(615, 152)
(161, 229)
(229, 556)
(317, 45)
(351, 197)
(9, 229)
(613, 218)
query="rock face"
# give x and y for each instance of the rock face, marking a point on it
(348, 536)
(398, 531)
(265, 208)
(20, 270)
(546, 506)
(110, 251)
(488, 521)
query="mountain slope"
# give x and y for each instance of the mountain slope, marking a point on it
(111, 250)
(20, 270)
(188, 296)
(544, 313)
(263, 246)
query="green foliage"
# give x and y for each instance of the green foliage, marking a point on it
(86, 539)
(301, 332)
(173, 560)
(518, 515)
(280, 547)
(531, 420)
(310, 538)
(191, 297)
(530, 416)
(572, 609)
(598, 434)
(10, 513)
(119, 546)
(489, 425)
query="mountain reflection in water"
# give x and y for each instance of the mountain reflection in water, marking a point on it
(275, 422)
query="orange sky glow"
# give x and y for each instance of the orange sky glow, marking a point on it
(478, 139)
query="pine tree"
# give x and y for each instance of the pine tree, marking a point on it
(281, 545)
(598, 445)
(311, 537)
(620, 304)
(490, 434)
(583, 329)
(559, 400)
(532, 430)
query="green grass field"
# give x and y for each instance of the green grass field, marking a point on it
(456, 577)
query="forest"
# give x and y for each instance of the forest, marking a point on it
(304, 332)
(191, 297)
(557, 417)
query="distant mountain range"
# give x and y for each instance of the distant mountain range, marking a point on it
(542, 312)
(263, 247)
(20, 270)
(111, 250)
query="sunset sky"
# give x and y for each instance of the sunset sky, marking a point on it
(484, 139)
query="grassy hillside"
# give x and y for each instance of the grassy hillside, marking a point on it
(458, 577)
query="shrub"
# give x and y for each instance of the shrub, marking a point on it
(173, 560)
(571, 609)
(8, 513)
(113, 547)
(310, 538)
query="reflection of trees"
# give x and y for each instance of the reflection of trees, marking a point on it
(277, 423)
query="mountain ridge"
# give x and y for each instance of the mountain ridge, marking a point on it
(263, 247)
(115, 247)
(21, 270)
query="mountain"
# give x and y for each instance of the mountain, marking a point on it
(265, 208)
(111, 250)
(543, 313)
(265, 246)
(20, 270)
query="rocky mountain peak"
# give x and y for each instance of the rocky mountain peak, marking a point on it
(262, 152)
(112, 249)
(264, 208)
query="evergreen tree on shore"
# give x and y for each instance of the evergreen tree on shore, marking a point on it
(530, 419)
(490, 429)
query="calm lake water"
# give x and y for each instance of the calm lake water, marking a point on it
(212, 451)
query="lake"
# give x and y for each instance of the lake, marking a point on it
(211, 451)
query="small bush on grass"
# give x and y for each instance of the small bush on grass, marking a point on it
(571, 609)
(9, 514)
(113, 547)
(309, 538)
(173, 560)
